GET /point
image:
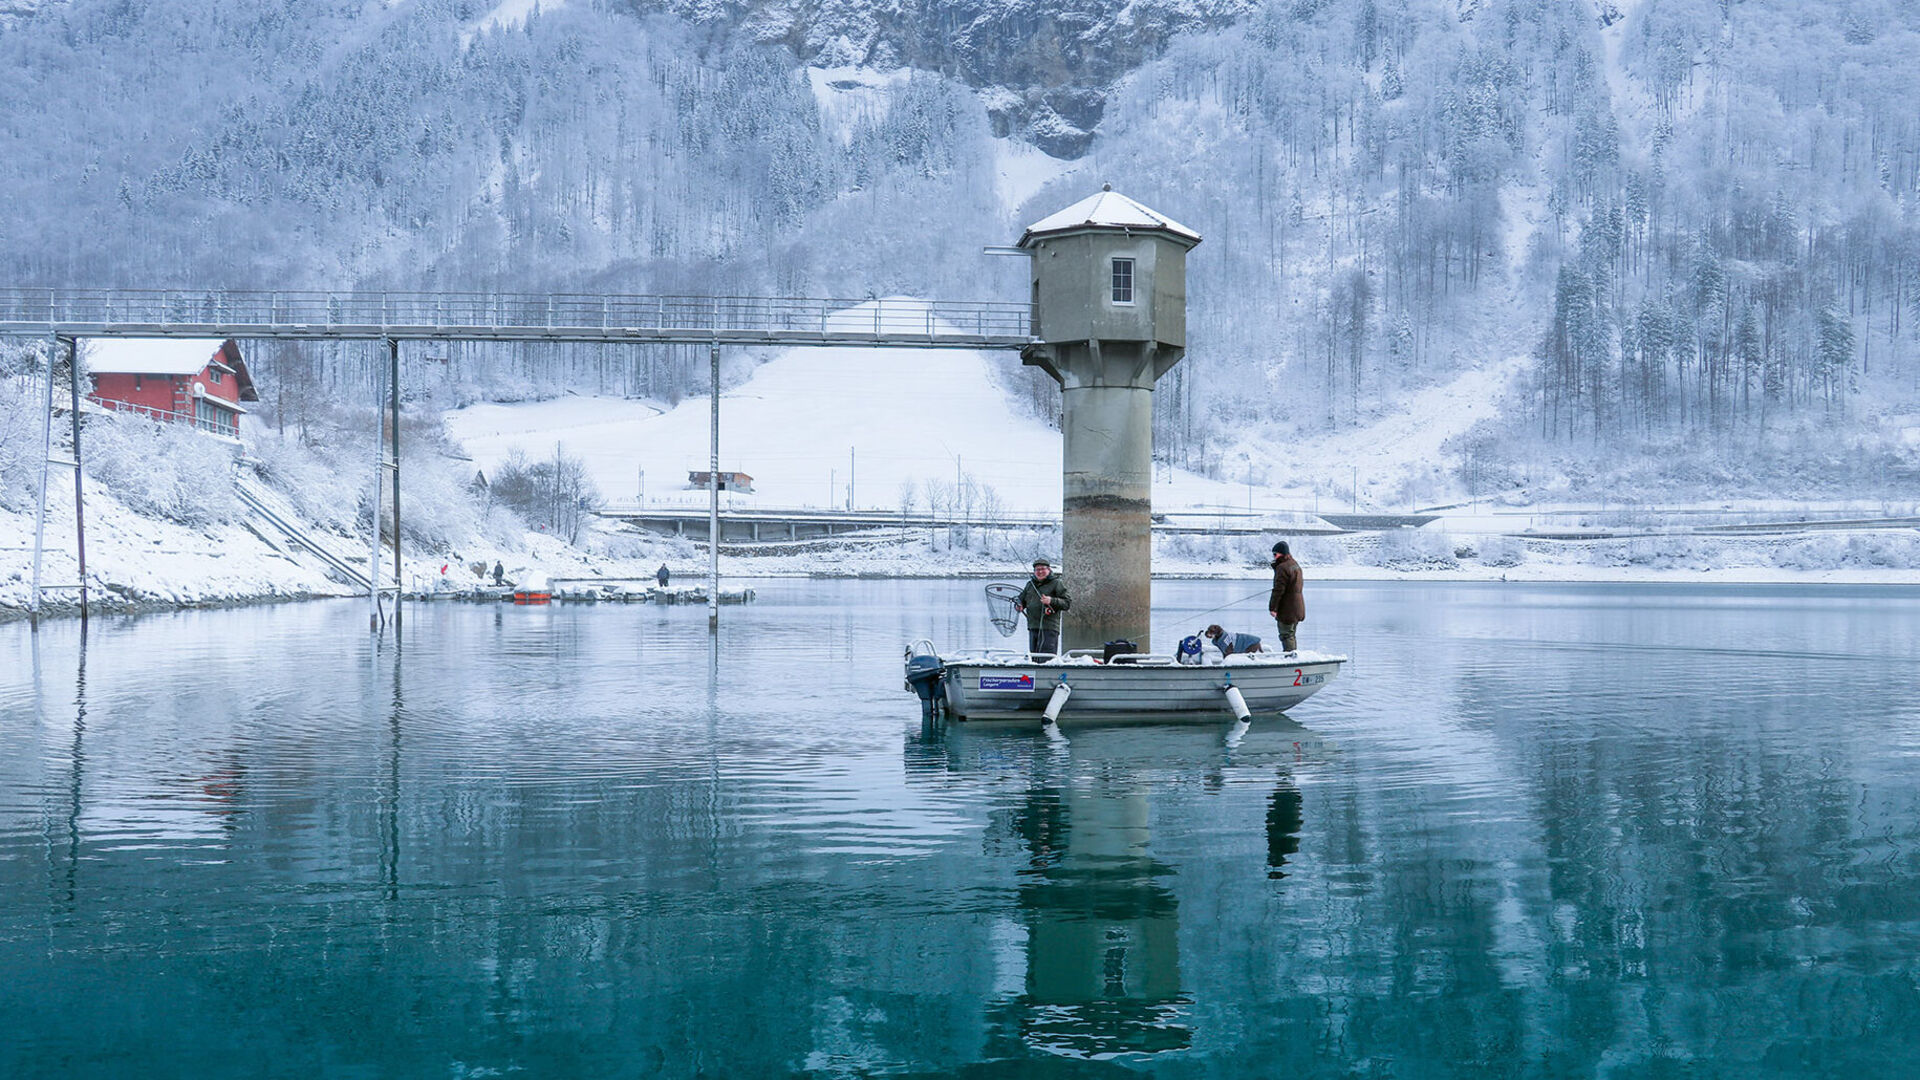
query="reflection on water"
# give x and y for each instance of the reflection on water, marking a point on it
(1101, 923)
(1532, 830)
(1284, 821)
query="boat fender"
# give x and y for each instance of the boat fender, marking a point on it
(1059, 700)
(1237, 703)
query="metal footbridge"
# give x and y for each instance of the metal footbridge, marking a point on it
(551, 317)
(393, 318)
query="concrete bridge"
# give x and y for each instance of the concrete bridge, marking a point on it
(774, 525)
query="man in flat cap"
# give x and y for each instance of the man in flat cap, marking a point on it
(1042, 601)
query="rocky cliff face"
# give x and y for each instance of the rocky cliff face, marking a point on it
(1044, 66)
(15, 11)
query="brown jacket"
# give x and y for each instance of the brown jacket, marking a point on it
(1289, 601)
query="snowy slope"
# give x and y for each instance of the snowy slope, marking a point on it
(1399, 453)
(806, 424)
(508, 15)
(847, 426)
(850, 97)
(806, 420)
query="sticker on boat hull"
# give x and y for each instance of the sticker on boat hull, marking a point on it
(1022, 683)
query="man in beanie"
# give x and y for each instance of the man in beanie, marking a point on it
(1288, 605)
(1042, 601)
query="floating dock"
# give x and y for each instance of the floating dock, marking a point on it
(578, 591)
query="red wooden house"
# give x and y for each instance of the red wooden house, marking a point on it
(185, 380)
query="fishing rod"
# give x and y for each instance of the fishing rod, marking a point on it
(1002, 598)
(1228, 604)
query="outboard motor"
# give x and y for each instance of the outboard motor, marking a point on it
(926, 676)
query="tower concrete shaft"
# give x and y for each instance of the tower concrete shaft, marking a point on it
(1107, 473)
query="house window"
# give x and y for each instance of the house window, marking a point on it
(1123, 281)
(136, 382)
(215, 372)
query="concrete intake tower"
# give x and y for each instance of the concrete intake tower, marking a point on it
(1109, 318)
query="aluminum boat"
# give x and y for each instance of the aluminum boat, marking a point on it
(1005, 685)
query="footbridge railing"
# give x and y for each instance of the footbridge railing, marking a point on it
(577, 317)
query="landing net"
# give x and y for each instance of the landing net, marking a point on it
(1003, 607)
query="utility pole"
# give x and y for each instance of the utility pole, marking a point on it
(851, 475)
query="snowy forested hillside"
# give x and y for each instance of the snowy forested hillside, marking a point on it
(1687, 226)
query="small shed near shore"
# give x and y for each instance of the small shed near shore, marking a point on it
(729, 481)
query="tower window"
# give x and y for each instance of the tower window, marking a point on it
(1123, 281)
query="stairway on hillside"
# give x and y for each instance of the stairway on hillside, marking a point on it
(268, 508)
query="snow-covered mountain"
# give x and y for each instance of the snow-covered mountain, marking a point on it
(1673, 242)
(1045, 67)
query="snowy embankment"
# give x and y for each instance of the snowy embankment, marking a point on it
(137, 560)
(142, 561)
(174, 518)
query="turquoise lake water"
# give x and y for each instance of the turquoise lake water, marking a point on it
(1532, 830)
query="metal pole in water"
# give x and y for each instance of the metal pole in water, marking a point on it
(393, 399)
(713, 488)
(79, 507)
(373, 534)
(46, 466)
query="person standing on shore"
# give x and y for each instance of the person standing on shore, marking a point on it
(1042, 601)
(1288, 605)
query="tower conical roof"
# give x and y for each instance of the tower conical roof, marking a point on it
(1108, 209)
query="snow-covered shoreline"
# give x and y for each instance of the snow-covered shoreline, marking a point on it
(159, 566)
(119, 606)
